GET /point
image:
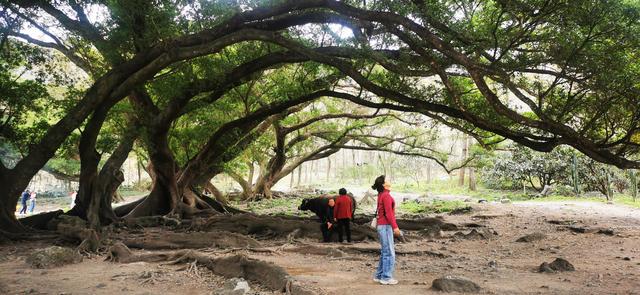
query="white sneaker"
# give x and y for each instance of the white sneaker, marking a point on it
(376, 280)
(389, 282)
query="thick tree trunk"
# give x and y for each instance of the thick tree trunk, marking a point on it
(217, 194)
(111, 177)
(472, 179)
(252, 170)
(247, 189)
(8, 200)
(89, 160)
(165, 196)
(464, 156)
(291, 179)
(328, 168)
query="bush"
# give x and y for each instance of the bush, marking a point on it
(509, 170)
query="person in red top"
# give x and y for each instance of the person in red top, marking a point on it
(387, 229)
(342, 212)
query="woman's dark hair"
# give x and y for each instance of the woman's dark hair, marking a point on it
(342, 191)
(378, 184)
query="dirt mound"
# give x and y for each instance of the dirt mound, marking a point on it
(455, 284)
(53, 256)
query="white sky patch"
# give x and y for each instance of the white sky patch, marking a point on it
(341, 31)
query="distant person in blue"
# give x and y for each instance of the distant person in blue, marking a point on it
(23, 199)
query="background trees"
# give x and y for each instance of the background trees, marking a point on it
(196, 84)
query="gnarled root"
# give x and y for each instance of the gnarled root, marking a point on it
(192, 240)
(267, 274)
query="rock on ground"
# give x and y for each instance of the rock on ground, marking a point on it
(531, 237)
(455, 284)
(234, 286)
(53, 256)
(557, 265)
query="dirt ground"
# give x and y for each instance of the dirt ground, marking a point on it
(604, 263)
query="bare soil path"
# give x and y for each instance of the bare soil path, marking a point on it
(605, 263)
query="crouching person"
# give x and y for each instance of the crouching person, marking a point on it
(327, 222)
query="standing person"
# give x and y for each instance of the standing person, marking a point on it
(32, 201)
(343, 215)
(327, 222)
(23, 200)
(387, 229)
(73, 198)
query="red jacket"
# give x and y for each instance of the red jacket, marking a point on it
(343, 207)
(386, 209)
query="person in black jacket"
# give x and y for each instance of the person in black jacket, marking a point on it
(24, 198)
(327, 222)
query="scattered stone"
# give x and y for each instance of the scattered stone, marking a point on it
(627, 258)
(234, 286)
(455, 284)
(101, 285)
(482, 201)
(493, 264)
(557, 265)
(537, 236)
(53, 256)
(582, 229)
(606, 231)
(473, 225)
(505, 201)
(561, 222)
(432, 232)
(472, 235)
(460, 211)
(468, 200)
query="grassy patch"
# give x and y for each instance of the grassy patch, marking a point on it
(132, 192)
(436, 206)
(279, 206)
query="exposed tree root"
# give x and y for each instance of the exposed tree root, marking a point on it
(9, 237)
(151, 221)
(372, 250)
(76, 229)
(267, 274)
(317, 250)
(124, 209)
(414, 224)
(219, 206)
(272, 227)
(40, 221)
(191, 240)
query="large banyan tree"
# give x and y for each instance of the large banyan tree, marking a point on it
(540, 73)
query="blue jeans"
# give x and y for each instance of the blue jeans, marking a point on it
(387, 253)
(32, 205)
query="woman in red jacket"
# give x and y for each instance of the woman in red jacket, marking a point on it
(343, 214)
(387, 229)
